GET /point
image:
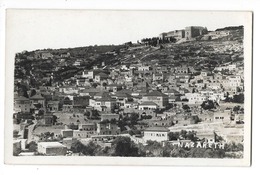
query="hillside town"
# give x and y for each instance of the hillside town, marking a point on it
(179, 94)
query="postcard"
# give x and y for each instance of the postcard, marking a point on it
(128, 87)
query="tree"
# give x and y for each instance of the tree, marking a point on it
(186, 108)
(33, 92)
(236, 109)
(208, 105)
(94, 85)
(95, 114)
(134, 118)
(41, 112)
(238, 98)
(54, 119)
(87, 114)
(91, 149)
(123, 146)
(174, 135)
(32, 146)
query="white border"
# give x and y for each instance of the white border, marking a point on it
(134, 4)
(10, 159)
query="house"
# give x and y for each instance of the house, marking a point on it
(91, 73)
(208, 136)
(172, 79)
(113, 87)
(158, 134)
(157, 97)
(235, 81)
(182, 78)
(182, 70)
(144, 68)
(101, 94)
(133, 105)
(172, 92)
(85, 130)
(80, 103)
(162, 123)
(222, 116)
(37, 99)
(158, 77)
(103, 104)
(195, 98)
(67, 133)
(148, 105)
(107, 128)
(47, 120)
(69, 141)
(89, 92)
(82, 81)
(53, 105)
(43, 55)
(22, 104)
(129, 84)
(52, 148)
(108, 116)
(184, 120)
(69, 90)
(239, 118)
(67, 105)
(101, 76)
(122, 97)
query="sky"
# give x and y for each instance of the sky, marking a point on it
(40, 29)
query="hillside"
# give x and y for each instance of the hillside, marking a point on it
(204, 52)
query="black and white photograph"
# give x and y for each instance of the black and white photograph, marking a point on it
(130, 87)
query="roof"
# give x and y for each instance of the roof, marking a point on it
(125, 91)
(156, 93)
(21, 98)
(105, 99)
(109, 114)
(102, 94)
(37, 97)
(51, 144)
(101, 74)
(114, 85)
(119, 94)
(172, 91)
(81, 100)
(148, 103)
(157, 129)
(53, 102)
(89, 124)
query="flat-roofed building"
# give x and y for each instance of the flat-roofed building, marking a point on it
(52, 148)
(158, 134)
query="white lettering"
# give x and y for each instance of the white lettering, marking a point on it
(180, 144)
(187, 145)
(204, 145)
(192, 144)
(198, 145)
(221, 145)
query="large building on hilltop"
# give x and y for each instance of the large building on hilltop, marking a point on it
(189, 33)
(194, 31)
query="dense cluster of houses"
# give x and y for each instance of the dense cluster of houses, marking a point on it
(165, 98)
(158, 92)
